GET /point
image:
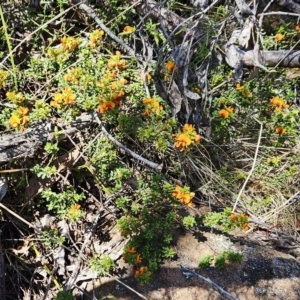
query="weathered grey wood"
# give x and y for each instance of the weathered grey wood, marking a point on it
(24, 144)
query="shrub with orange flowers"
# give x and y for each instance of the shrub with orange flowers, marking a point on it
(74, 213)
(226, 112)
(131, 256)
(66, 97)
(73, 75)
(152, 106)
(184, 195)
(188, 137)
(243, 90)
(279, 103)
(15, 97)
(142, 274)
(95, 38)
(69, 43)
(227, 220)
(116, 62)
(106, 106)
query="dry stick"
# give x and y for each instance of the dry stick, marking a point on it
(127, 286)
(34, 32)
(279, 13)
(133, 154)
(221, 291)
(91, 13)
(253, 165)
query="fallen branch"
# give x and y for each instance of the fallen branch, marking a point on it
(285, 58)
(220, 290)
(24, 144)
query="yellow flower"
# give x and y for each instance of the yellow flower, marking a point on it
(15, 97)
(148, 77)
(14, 121)
(280, 130)
(182, 141)
(113, 86)
(3, 77)
(106, 106)
(170, 65)
(224, 113)
(68, 96)
(297, 27)
(75, 207)
(279, 37)
(122, 81)
(128, 29)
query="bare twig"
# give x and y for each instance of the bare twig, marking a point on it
(220, 290)
(133, 154)
(128, 287)
(91, 13)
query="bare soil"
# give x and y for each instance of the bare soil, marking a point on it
(265, 273)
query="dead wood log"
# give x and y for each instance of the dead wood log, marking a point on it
(24, 144)
(290, 5)
(282, 58)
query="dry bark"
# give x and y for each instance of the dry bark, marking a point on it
(24, 144)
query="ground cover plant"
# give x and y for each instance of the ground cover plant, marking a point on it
(128, 115)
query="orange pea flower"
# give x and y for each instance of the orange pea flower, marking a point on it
(140, 271)
(131, 250)
(182, 141)
(279, 103)
(128, 29)
(23, 110)
(188, 127)
(183, 195)
(280, 130)
(170, 66)
(106, 106)
(224, 114)
(138, 259)
(279, 37)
